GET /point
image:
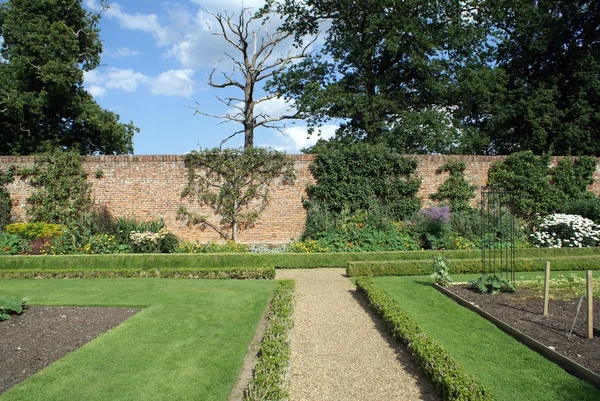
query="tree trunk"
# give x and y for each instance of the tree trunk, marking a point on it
(234, 229)
(249, 112)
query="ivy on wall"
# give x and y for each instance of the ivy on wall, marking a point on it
(456, 191)
(6, 177)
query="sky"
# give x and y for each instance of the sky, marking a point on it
(156, 60)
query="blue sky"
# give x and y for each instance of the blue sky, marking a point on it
(156, 60)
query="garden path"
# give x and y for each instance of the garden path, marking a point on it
(339, 350)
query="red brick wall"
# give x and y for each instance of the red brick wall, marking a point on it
(149, 187)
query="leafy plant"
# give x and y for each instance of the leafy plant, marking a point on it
(456, 190)
(11, 306)
(307, 246)
(440, 271)
(492, 284)
(212, 247)
(37, 230)
(62, 192)
(12, 244)
(586, 206)
(235, 183)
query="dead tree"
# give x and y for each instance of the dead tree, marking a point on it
(256, 62)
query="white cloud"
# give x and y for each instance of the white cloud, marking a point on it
(297, 137)
(96, 91)
(169, 83)
(121, 52)
(174, 83)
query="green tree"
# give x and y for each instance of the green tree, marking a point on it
(548, 87)
(235, 183)
(47, 45)
(391, 71)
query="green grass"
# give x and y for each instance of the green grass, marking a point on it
(506, 367)
(187, 343)
(279, 260)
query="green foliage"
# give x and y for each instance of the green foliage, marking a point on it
(456, 190)
(62, 193)
(358, 179)
(492, 284)
(12, 244)
(235, 183)
(537, 187)
(461, 265)
(270, 380)
(440, 271)
(588, 207)
(47, 46)
(236, 273)
(11, 306)
(212, 247)
(6, 177)
(37, 230)
(307, 246)
(439, 366)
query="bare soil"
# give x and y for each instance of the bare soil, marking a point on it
(523, 310)
(43, 334)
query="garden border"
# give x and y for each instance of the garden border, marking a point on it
(567, 364)
(434, 361)
(271, 375)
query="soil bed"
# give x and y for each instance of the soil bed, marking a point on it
(43, 334)
(523, 311)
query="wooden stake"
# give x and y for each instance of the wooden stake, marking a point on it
(590, 306)
(546, 288)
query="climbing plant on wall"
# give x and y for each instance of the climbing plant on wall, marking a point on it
(6, 177)
(456, 190)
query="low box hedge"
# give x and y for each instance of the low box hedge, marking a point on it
(466, 266)
(446, 374)
(247, 260)
(271, 374)
(267, 273)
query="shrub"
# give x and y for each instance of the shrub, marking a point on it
(439, 366)
(360, 177)
(456, 190)
(431, 228)
(270, 380)
(307, 246)
(147, 241)
(169, 243)
(11, 306)
(12, 244)
(38, 230)
(565, 230)
(212, 247)
(588, 207)
(123, 227)
(491, 284)
(440, 271)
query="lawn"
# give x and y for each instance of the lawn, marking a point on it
(187, 343)
(506, 367)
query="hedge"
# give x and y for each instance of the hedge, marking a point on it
(271, 375)
(466, 266)
(446, 374)
(218, 273)
(247, 260)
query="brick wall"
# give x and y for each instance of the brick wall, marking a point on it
(149, 187)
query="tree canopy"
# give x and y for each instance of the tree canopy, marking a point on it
(47, 45)
(430, 76)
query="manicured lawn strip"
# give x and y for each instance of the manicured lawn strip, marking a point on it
(510, 370)
(187, 344)
(462, 266)
(205, 273)
(434, 361)
(271, 375)
(247, 260)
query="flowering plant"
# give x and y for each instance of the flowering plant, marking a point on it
(565, 230)
(148, 241)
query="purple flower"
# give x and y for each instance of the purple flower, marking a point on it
(441, 214)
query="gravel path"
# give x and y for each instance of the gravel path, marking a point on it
(340, 351)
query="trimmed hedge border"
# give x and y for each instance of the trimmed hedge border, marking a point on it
(249, 260)
(271, 375)
(465, 266)
(439, 366)
(265, 273)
